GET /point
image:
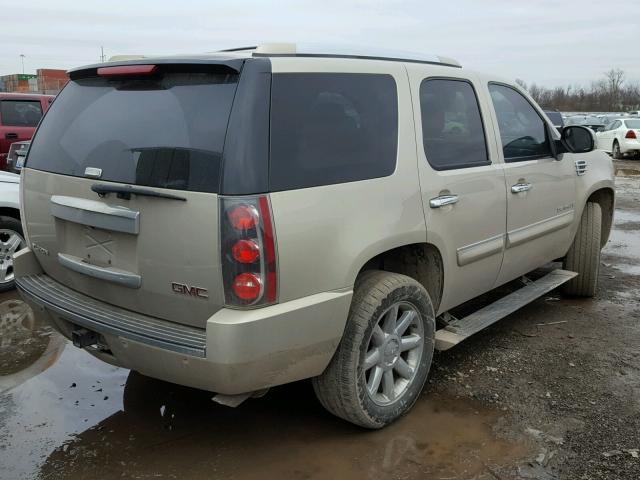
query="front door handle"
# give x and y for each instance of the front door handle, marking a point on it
(520, 187)
(443, 200)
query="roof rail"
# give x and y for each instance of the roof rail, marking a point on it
(122, 58)
(311, 50)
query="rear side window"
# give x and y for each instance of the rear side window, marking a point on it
(522, 130)
(20, 113)
(329, 128)
(163, 131)
(452, 130)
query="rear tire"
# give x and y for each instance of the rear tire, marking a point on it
(615, 151)
(584, 255)
(388, 339)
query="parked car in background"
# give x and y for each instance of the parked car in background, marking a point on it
(620, 137)
(591, 121)
(635, 113)
(17, 154)
(556, 118)
(19, 116)
(11, 236)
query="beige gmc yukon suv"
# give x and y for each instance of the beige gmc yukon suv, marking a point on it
(243, 219)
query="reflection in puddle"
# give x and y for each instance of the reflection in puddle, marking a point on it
(38, 410)
(179, 431)
(81, 418)
(624, 243)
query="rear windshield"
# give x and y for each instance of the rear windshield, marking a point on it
(632, 123)
(166, 131)
(20, 113)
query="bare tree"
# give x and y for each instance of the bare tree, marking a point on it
(610, 93)
(614, 79)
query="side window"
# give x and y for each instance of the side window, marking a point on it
(615, 125)
(523, 132)
(329, 128)
(452, 131)
(20, 113)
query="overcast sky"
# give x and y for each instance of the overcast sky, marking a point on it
(549, 42)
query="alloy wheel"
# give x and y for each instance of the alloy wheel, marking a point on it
(394, 352)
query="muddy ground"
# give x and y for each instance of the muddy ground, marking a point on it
(553, 391)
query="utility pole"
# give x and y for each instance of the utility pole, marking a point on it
(102, 54)
(22, 59)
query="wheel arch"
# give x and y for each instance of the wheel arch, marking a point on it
(420, 261)
(605, 197)
(10, 212)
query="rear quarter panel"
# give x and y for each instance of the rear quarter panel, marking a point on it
(327, 233)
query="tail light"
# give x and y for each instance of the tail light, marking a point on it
(248, 251)
(630, 134)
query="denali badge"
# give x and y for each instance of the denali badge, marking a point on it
(183, 289)
(38, 248)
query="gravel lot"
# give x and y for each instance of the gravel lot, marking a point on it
(551, 392)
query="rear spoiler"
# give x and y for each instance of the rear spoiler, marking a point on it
(228, 65)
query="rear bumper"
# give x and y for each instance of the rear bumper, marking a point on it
(239, 351)
(629, 145)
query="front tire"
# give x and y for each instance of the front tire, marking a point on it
(584, 255)
(383, 360)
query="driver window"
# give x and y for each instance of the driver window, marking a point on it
(522, 130)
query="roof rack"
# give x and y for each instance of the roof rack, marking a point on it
(311, 50)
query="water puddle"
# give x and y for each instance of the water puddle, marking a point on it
(624, 243)
(64, 414)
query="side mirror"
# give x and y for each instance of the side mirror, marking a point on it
(578, 139)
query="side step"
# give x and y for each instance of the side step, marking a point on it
(459, 329)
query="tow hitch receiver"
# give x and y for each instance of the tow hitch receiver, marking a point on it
(82, 337)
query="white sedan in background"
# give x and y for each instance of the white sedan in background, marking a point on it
(620, 136)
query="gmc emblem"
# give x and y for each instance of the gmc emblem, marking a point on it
(183, 289)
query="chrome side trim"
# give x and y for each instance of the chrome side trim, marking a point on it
(101, 317)
(96, 214)
(538, 229)
(113, 275)
(479, 250)
(581, 167)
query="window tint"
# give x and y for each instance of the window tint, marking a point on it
(522, 131)
(331, 128)
(452, 130)
(166, 131)
(20, 113)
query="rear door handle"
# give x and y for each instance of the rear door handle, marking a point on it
(11, 136)
(443, 200)
(520, 187)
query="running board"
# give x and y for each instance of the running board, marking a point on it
(459, 329)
